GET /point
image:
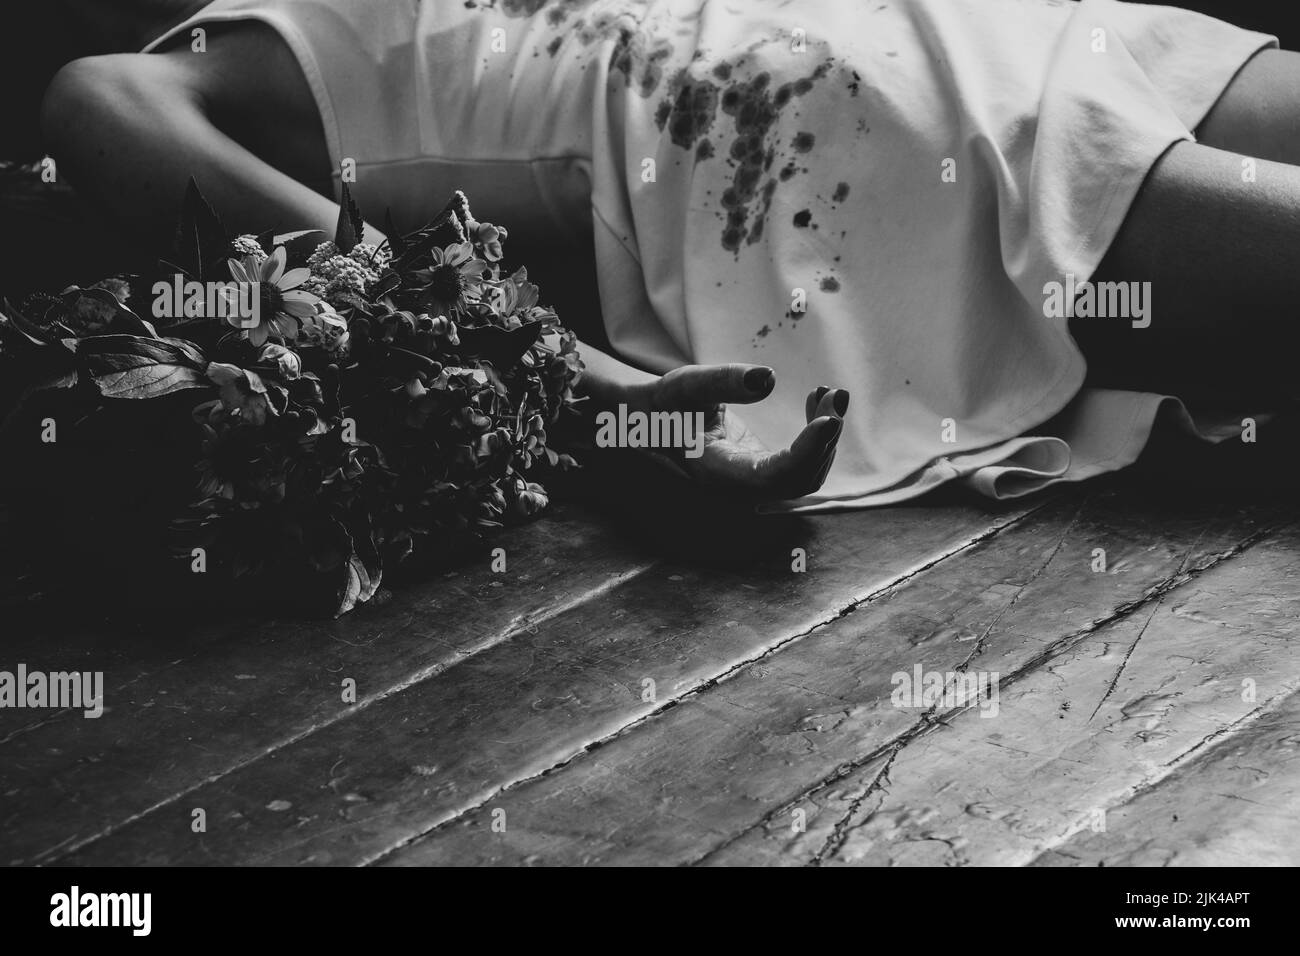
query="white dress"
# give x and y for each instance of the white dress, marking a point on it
(866, 194)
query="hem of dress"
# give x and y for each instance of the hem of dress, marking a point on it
(1114, 206)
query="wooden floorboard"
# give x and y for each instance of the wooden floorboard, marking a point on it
(1234, 803)
(744, 754)
(521, 699)
(1121, 712)
(191, 705)
(352, 791)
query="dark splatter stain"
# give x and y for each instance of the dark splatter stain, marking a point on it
(522, 8)
(830, 284)
(691, 108)
(639, 58)
(756, 230)
(764, 331)
(755, 113)
(802, 218)
(662, 112)
(557, 14)
(689, 112)
(841, 192)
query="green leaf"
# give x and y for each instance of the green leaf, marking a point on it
(117, 352)
(11, 320)
(188, 349)
(124, 319)
(396, 244)
(351, 226)
(358, 586)
(387, 283)
(151, 380)
(201, 244)
(501, 348)
(130, 366)
(299, 245)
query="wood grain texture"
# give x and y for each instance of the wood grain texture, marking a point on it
(185, 707)
(1128, 710)
(1235, 802)
(744, 754)
(521, 699)
(448, 741)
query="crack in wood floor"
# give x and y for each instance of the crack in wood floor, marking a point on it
(604, 703)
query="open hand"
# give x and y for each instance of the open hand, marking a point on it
(732, 456)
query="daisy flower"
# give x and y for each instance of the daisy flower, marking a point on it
(455, 272)
(514, 293)
(283, 302)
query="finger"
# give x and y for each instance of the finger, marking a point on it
(794, 472)
(835, 402)
(826, 468)
(812, 402)
(703, 386)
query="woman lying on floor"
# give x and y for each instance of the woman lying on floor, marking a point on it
(904, 199)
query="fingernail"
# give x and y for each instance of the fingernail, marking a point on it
(758, 379)
(834, 428)
(821, 390)
(840, 401)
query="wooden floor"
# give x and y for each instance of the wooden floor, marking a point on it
(1147, 713)
(639, 690)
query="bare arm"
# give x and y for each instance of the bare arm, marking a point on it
(129, 130)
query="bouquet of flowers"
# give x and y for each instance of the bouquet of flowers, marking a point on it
(294, 416)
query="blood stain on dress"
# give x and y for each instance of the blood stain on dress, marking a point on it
(639, 58)
(841, 192)
(755, 109)
(640, 54)
(830, 284)
(802, 218)
(690, 110)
